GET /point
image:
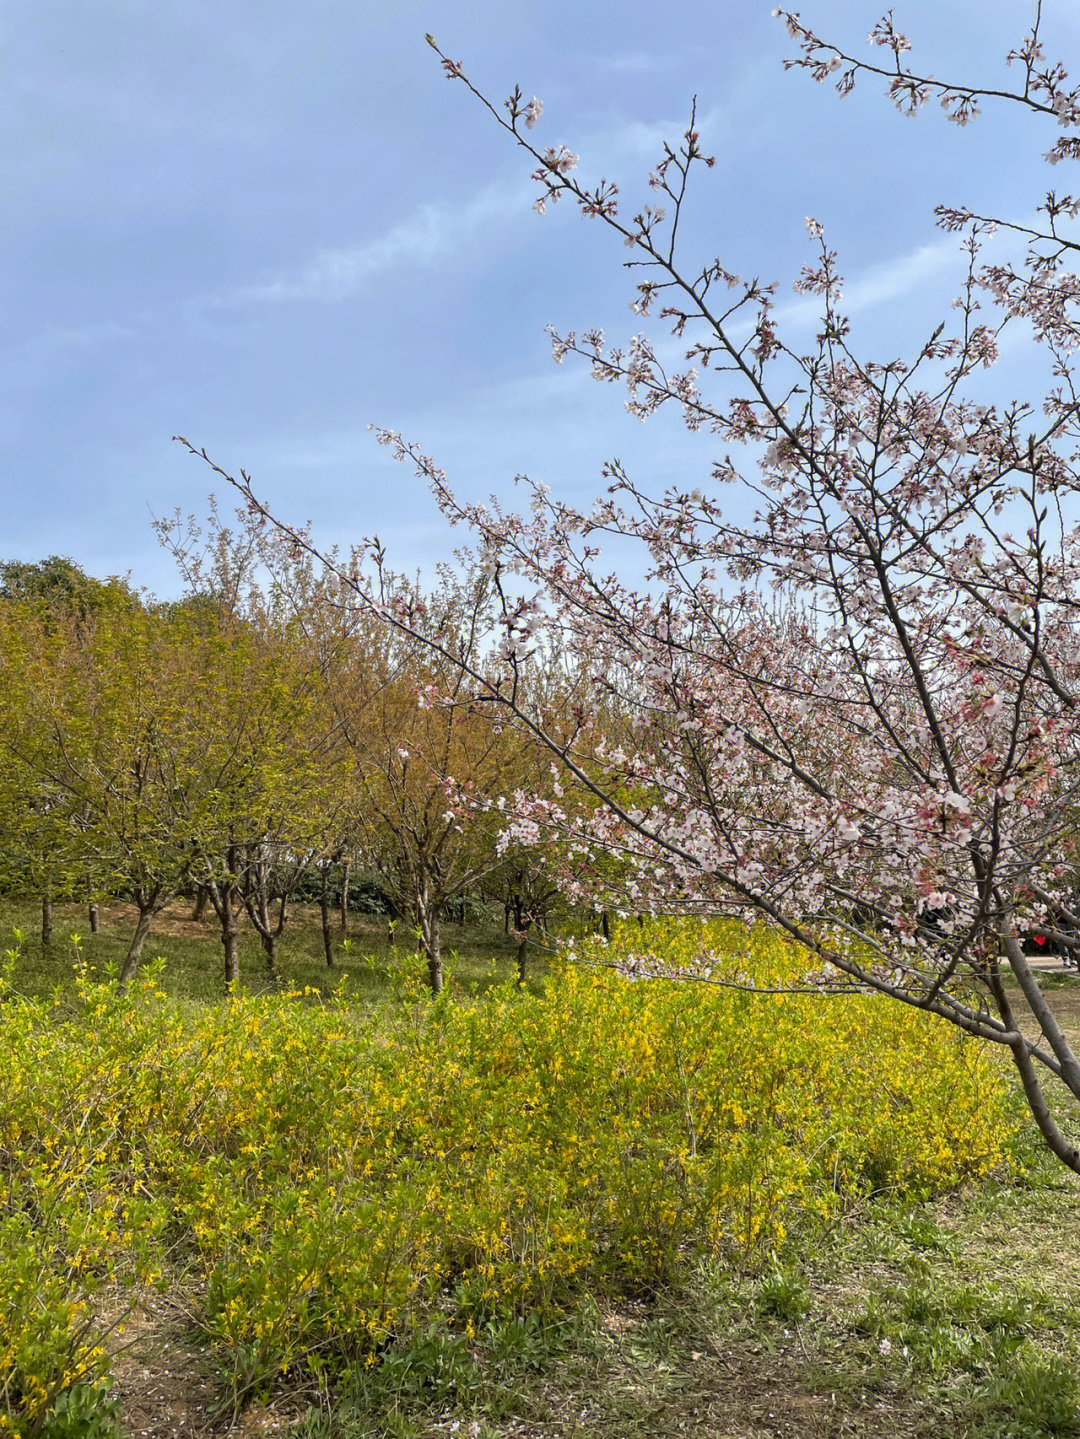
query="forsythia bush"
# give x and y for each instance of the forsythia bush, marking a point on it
(327, 1179)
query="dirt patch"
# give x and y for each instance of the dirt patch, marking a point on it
(165, 1385)
(1063, 997)
(727, 1390)
(175, 919)
(167, 1388)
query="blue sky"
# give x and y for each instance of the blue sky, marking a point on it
(268, 225)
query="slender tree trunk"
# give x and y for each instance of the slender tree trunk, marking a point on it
(46, 921)
(255, 895)
(605, 927)
(91, 907)
(224, 899)
(343, 899)
(202, 894)
(227, 917)
(260, 920)
(135, 948)
(521, 934)
(148, 901)
(428, 916)
(324, 908)
(232, 956)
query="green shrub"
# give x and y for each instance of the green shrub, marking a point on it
(331, 1180)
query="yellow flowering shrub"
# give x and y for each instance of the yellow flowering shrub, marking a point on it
(328, 1178)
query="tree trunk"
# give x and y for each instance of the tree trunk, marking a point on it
(255, 895)
(149, 901)
(324, 908)
(91, 907)
(201, 896)
(232, 958)
(135, 948)
(343, 900)
(46, 921)
(224, 897)
(428, 915)
(605, 927)
(522, 921)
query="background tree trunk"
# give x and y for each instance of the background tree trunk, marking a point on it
(269, 944)
(255, 896)
(224, 898)
(324, 907)
(135, 948)
(343, 898)
(232, 957)
(427, 913)
(149, 901)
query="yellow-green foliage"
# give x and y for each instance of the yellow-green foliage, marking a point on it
(325, 1178)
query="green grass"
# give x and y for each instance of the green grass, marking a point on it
(475, 955)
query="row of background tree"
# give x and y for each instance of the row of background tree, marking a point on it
(261, 740)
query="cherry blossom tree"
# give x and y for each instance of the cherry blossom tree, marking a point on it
(428, 762)
(853, 715)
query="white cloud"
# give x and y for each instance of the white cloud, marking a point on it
(640, 139)
(431, 233)
(893, 278)
(879, 284)
(439, 230)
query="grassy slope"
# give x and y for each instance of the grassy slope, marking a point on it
(952, 1319)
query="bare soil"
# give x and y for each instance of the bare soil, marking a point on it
(167, 1387)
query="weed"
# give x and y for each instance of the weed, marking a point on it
(783, 1293)
(1035, 1398)
(84, 1412)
